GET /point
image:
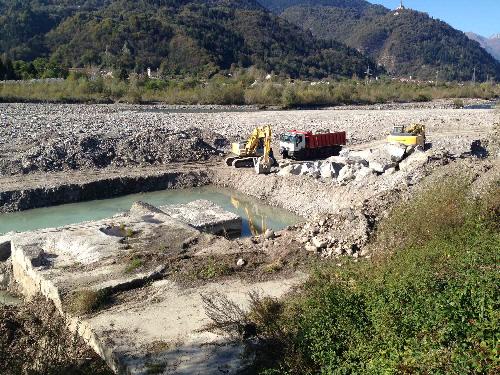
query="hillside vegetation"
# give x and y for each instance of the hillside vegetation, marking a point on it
(244, 87)
(178, 37)
(404, 42)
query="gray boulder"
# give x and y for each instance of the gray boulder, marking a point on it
(415, 161)
(396, 151)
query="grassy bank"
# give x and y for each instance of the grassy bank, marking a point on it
(240, 90)
(427, 303)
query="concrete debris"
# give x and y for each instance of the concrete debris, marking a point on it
(269, 234)
(416, 160)
(346, 174)
(384, 160)
(241, 262)
(344, 233)
(396, 151)
(206, 216)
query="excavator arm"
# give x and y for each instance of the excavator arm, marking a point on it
(261, 133)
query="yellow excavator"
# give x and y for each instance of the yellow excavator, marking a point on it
(255, 152)
(413, 135)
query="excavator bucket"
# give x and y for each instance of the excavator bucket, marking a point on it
(263, 166)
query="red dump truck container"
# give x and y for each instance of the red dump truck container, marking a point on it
(325, 140)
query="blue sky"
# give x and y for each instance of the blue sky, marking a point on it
(479, 16)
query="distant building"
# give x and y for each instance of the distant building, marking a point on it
(400, 8)
(153, 75)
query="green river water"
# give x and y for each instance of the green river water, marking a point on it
(257, 216)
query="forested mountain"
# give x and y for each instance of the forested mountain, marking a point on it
(280, 5)
(177, 36)
(492, 44)
(405, 42)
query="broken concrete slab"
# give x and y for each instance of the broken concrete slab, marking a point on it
(416, 160)
(396, 151)
(206, 216)
(154, 323)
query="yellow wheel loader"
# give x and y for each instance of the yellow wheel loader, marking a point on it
(255, 152)
(413, 135)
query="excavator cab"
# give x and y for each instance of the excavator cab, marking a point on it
(413, 135)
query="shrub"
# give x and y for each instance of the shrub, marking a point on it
(423, 98)
(458, 103)
(213, 269)
(289, 98)
(134, 264)
(425, 215)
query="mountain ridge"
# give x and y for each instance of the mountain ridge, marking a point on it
(491, 44)
(405, 42)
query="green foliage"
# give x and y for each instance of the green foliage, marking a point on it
(458, 103)
(213, 269)
(177, 37)
(444, 207)
(430, 305)
(134, 264)
(245, 87)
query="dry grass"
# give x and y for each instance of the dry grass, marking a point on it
(88, 301)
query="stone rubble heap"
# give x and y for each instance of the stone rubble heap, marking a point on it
(93, 151)
(358, 165)
(375, 169)
(335, 235)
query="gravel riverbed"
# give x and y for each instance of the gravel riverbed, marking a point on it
(51, 137)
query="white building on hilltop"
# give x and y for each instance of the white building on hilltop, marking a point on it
(399, 9)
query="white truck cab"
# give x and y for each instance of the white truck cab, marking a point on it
(292, 143)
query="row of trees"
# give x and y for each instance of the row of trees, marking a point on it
(180, 37)
(38, 68)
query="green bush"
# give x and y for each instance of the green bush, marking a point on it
(245, 87)
(429, 306)
(458, 103)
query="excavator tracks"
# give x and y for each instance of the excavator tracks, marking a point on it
(244, 162)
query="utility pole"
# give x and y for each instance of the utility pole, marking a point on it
(437, 77)
(474, 76)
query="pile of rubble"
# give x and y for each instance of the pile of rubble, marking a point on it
(89, 151)
(358, 165)
(335, 235)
